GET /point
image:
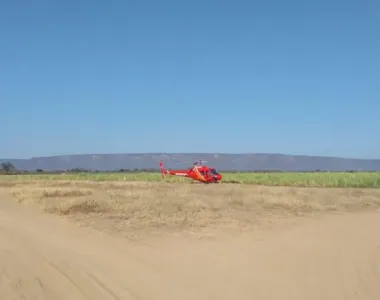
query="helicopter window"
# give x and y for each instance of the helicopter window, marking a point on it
(213, 171)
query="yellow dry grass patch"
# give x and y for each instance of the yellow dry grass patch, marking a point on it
(148, 206)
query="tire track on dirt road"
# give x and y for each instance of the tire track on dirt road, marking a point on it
(45, 257)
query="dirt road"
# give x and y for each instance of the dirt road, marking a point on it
(44, 257)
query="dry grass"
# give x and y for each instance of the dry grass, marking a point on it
(133, 207)
(302, 179)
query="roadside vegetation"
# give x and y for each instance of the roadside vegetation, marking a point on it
(131, 208)
(302, 179)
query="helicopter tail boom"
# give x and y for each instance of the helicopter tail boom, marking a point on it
(163, 170)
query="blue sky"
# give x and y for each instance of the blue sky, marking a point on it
(291, 77)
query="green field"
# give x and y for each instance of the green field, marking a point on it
(358, 179)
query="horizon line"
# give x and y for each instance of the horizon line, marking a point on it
(192, 153)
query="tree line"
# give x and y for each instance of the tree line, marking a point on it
(9, 169)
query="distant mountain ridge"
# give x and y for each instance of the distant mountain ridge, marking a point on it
(222, 161)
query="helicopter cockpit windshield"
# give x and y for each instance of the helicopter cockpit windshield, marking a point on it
(213, 172)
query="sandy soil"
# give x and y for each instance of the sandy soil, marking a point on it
(335, 256)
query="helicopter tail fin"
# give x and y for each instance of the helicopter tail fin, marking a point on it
(163, 170)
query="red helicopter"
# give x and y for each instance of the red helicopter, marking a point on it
(197, 172)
